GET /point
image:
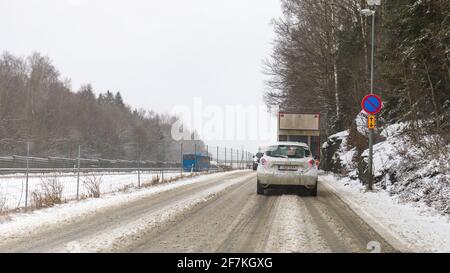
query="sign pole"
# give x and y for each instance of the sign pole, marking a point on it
(371, 131)
(372, 105)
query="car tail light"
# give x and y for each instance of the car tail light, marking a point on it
(263, 161)
(311, 163)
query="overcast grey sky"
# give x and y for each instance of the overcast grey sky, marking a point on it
(157, 53)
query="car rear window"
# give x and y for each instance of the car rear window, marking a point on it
(288, 151)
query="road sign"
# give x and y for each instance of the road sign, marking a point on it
(371, 104)
(371, 122)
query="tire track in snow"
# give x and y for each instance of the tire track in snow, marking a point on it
(293, 229)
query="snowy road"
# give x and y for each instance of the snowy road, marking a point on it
(221, 213)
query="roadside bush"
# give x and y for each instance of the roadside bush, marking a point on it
(156, 179)
(48, 194)
(3, 207)
(92, 184)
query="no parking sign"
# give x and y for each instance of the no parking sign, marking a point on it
(371, 104)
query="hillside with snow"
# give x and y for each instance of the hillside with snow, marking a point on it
(410, 169)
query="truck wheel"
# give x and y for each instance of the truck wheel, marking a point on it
(259, 188)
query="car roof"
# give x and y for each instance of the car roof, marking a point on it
(290, 143)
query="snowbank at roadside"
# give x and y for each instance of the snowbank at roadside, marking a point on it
(408, 228)
(414, 170)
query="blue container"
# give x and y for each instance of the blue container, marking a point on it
(196, 162)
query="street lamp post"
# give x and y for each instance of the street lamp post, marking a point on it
(369, 12)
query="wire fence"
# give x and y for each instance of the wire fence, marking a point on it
(32, 182)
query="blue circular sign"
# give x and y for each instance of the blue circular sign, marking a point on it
(371, 104)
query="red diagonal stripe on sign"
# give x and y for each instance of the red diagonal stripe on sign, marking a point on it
(368, 100)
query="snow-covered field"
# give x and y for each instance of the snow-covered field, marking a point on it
(12, 187)
(408, 227)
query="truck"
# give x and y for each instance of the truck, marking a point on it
(300, 127)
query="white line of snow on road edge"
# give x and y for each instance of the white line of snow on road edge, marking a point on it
(403, 226)
(108, 240)
(24, 224)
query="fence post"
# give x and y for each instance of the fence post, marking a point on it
(240, 161)
(225, 157)
(207, 154)
(246, 159)
(26, 179)
(139, 166)
(78, 172)
(181, 160)
(242, 158)
(217, 158)
(231, 159)
(195, 156)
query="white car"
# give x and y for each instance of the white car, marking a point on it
(287, 165)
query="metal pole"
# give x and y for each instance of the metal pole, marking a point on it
(181, 160)
(207, 154)
(195, 156)
(240, 160)
(78, 172)
(139, 165)
(231, 160)
(371, 131)
(217, 158)
(372, 57)
(246, 159)
(225, 156)
(26, 179)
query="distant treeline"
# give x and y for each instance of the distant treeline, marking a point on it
(322, 57)
(39, 107)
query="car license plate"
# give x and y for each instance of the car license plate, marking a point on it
(287, 168)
